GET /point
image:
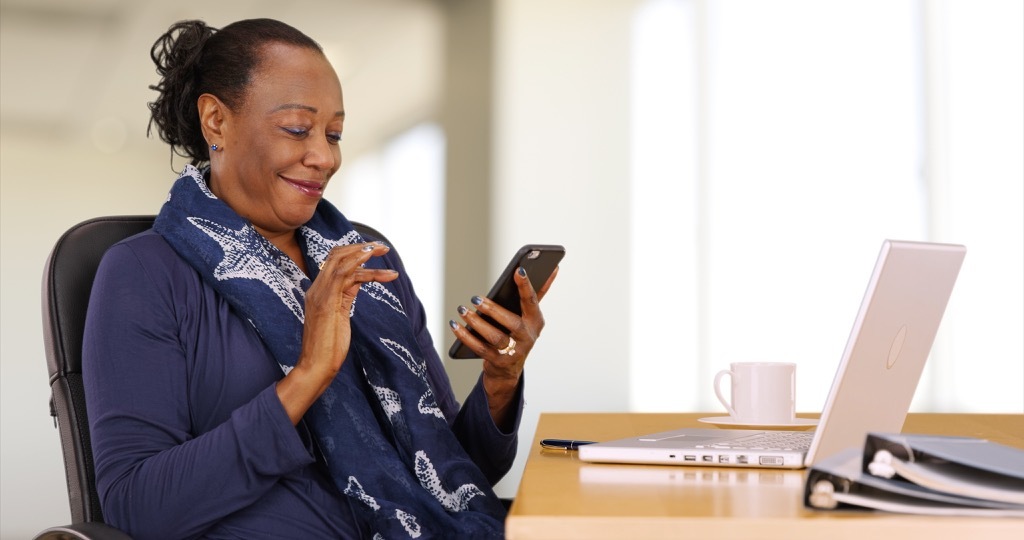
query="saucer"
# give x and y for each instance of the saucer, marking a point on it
(728, 421)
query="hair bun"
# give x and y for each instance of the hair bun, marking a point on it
(192, 59)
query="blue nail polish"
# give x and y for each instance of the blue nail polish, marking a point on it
(454, 325)
(477, 300)
(522, 272)
(463, 310)
(367, 248)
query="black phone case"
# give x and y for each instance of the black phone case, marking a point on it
(505, 292)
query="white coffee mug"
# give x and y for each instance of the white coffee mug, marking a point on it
(762, 392)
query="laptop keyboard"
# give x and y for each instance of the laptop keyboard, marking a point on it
(768, 440)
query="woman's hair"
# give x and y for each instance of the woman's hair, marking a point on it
(194, 59)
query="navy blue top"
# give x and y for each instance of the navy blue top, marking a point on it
(189, 437)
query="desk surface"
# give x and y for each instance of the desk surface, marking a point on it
(561, 497)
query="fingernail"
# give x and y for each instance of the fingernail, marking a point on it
(477, 300)
(463, 310)
(454, 325)
(368, 247)
(522, 272)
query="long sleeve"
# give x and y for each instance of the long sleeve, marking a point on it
(179, 440)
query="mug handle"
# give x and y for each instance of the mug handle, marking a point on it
(718, 392)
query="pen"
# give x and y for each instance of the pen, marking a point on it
(564, 444)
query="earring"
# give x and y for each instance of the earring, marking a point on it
(214, 147)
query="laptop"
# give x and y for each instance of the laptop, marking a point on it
(873, 387)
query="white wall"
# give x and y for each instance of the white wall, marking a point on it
(47, 185)
(561, 173)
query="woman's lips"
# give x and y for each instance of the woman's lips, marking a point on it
(311, 188)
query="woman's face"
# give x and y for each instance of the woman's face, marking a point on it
(280, 147)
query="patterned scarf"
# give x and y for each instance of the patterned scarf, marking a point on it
(385, 442)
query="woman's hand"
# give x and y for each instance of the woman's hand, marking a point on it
(327, 333)
(504, 355)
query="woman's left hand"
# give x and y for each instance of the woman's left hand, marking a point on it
(504, 355)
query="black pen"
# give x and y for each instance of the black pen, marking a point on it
(564, 444)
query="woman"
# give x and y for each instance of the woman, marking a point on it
(256, 369)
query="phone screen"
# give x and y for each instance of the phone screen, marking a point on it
(539, 261)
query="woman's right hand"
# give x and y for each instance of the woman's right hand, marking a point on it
(327, 333)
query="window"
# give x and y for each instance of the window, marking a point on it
(776, 144)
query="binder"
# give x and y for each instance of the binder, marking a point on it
(963, 477)
(976, 468)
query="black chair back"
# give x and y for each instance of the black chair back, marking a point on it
(67, 283)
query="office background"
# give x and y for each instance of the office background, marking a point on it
(721, 172)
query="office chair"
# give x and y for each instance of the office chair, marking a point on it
(67, 284)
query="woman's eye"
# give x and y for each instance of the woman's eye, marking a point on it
(298, 132)
(334, 137)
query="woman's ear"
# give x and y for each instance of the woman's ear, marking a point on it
(212, 118)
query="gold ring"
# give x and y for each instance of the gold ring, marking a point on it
(509, 349)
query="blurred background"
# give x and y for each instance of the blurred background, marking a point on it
(721, 172)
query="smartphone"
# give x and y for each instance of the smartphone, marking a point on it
(539, 261)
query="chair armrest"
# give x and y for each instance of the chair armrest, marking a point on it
(82, 531)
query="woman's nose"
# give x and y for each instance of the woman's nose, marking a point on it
(321, 154)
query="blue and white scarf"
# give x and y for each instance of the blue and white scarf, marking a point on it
(384, 439)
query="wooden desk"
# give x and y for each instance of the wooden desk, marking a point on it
(562, 498)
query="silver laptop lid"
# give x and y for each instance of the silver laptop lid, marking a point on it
(891, 339)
